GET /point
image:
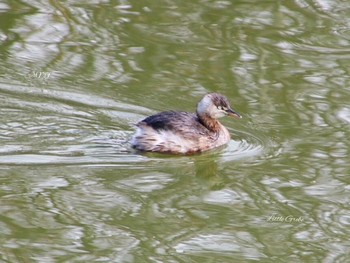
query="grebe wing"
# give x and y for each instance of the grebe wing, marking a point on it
(176, 121)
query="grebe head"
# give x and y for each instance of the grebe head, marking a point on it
(216, 106)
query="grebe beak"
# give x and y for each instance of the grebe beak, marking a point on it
(234, 114)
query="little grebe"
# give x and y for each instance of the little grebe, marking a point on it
(185, 132)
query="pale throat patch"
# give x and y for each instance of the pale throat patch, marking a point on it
(203, 105)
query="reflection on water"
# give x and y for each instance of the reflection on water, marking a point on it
(75, 78)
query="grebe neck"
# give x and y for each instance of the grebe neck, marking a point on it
(209, 122)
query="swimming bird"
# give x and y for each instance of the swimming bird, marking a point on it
(180, 132)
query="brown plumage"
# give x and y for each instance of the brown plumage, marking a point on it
(183, 132)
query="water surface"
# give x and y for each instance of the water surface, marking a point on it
(74, 79)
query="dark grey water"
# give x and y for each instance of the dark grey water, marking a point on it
(76, 76)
